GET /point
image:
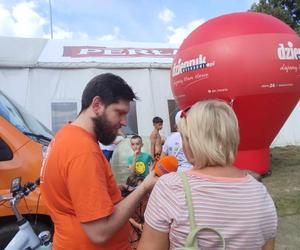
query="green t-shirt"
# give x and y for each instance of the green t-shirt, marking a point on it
(142, 163)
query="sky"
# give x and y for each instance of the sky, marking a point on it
(162, 21)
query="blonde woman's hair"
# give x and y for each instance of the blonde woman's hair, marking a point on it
(211, 130)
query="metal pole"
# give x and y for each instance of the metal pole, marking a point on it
(50, 10)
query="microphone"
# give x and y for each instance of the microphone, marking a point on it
(166, 165)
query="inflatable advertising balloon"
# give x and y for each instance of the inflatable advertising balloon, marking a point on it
(251, 60)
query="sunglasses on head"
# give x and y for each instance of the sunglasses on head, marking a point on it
(184, 112)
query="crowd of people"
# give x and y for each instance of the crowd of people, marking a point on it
(91, 211)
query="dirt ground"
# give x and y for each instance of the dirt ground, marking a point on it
(284, 186)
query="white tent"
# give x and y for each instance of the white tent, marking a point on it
(47, 78)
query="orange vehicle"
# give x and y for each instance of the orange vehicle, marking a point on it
(23, 139)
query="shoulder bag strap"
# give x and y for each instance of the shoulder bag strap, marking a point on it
(188, 196)
(191, 240)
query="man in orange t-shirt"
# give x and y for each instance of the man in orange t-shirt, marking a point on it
(77, 183)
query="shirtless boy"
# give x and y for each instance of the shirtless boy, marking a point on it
(155, 138)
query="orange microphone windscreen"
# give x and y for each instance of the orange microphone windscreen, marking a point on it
(166, 165)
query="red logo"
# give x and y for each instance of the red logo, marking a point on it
(94, 51)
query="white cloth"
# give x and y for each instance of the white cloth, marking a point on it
(173, 146)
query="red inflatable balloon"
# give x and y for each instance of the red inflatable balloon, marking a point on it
(251, 60)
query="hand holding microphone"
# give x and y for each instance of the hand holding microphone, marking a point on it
(165, 165)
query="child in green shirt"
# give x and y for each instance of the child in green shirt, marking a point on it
(139, 162)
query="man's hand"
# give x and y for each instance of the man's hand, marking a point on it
(101, 230)
(149, 181)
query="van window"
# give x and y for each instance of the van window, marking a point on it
(20, 118)
(11, 114)
(5, 151)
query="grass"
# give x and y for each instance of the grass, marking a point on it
(284, 186)
(284, 182)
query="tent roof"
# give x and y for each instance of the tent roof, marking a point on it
(35, 52)
(16, 52)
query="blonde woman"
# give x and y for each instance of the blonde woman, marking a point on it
(224, 197)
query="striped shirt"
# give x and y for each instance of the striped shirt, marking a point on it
(239, 208)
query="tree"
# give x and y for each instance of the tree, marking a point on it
(286, 10)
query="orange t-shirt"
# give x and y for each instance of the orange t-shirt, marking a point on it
(77, 186)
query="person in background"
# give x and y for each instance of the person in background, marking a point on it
(77, 183)
(173, 146)
(223, 197)
(137, 219)
(139, 162)
(155, 138)
(108, 150)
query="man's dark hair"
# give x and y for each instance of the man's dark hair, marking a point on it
(109, 87)
(157, 119)
(136, 137)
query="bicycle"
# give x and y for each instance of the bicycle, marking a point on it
(25, 238)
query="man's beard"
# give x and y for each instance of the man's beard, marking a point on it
(104, 131)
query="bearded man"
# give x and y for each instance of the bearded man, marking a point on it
(77, 183)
